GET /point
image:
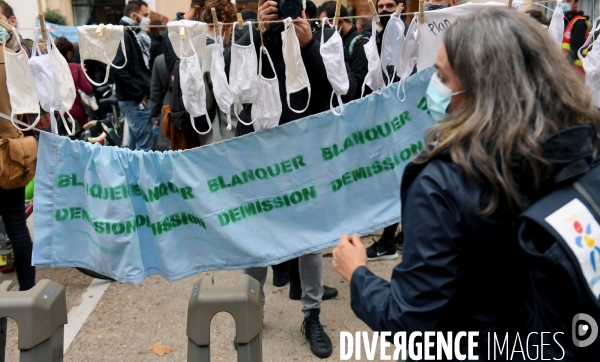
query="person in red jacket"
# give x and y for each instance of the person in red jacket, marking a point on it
(66, 48)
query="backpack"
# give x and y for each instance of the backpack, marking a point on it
(353, 43)
(559, 235)
(179, 116)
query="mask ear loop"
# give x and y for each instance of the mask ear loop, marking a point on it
(259, 71)
(219, 42)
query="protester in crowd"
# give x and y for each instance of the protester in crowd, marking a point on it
(310, 265)
(354, 52)
(429, 5)
(66, 48)
(539, 16)
(497, 148)
(133, 81)
(311, 13)
(576, 29)
(159, 97)
(364, 26)
(157, 32)
(385, 247)
(193, 13)
(12, 202)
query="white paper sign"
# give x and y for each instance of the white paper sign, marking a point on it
(435, 24)
(576, 224)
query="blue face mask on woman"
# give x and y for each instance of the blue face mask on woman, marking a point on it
(438, 97)
(566, 7)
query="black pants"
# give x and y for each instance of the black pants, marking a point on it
(12, 210)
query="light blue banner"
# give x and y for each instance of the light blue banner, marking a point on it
(69, 32)
(255, 200)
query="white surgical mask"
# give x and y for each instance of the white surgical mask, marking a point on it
(557, 25)
(267, 109)
(374, 77)
(19, 82)
(198, 42)
(409, 54)
(221, 89)
(53, 82)
(393, 38)
(243, 73)
(332, 53)
(145, 21)
(591, 65)
(101, 43)
(192, 86)
(296, 78)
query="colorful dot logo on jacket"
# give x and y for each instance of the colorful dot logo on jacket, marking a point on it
(585, 238)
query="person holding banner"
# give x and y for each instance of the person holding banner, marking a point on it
(313, 98)
(496, 149)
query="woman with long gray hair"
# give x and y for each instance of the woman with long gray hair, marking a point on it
(511, 115)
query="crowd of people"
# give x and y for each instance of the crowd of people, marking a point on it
(460, 198)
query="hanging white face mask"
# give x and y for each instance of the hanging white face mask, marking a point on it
(266, 112)
(374, 77)
(192, 86)
(557, 25)
(409, 54)
(591, 65)
(101, 42)
(221, 89)
(55, 88)
(197, 45)
(393, 38)
(332, 53)
(296, 78)
(243, 73)
(19, 82)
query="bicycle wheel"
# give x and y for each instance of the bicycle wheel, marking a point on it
(93, 274)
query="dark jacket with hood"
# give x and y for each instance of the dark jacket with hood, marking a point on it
(359, 65)
(460, 270)
(133, 81)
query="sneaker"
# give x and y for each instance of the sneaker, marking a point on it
(378, 251)
(328, 293)
(280, 279)
(319, 341)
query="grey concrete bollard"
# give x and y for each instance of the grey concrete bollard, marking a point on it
(40, 314)
(242, 300)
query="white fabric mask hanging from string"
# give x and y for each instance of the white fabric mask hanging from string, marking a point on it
(19, 82)
(557, 24)
(243, 73)
(266, 112)
(53, 82)
(393, 38)
(332, 53)
(296, 78)
(101, 43)
(193, 93)
(409, 54)
(194, 46)
(221, 89)
(591, 64)
(374, 77)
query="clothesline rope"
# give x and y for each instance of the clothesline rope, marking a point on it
(281, 21)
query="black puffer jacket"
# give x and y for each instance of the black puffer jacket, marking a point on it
(133, 81)
(460, 271)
